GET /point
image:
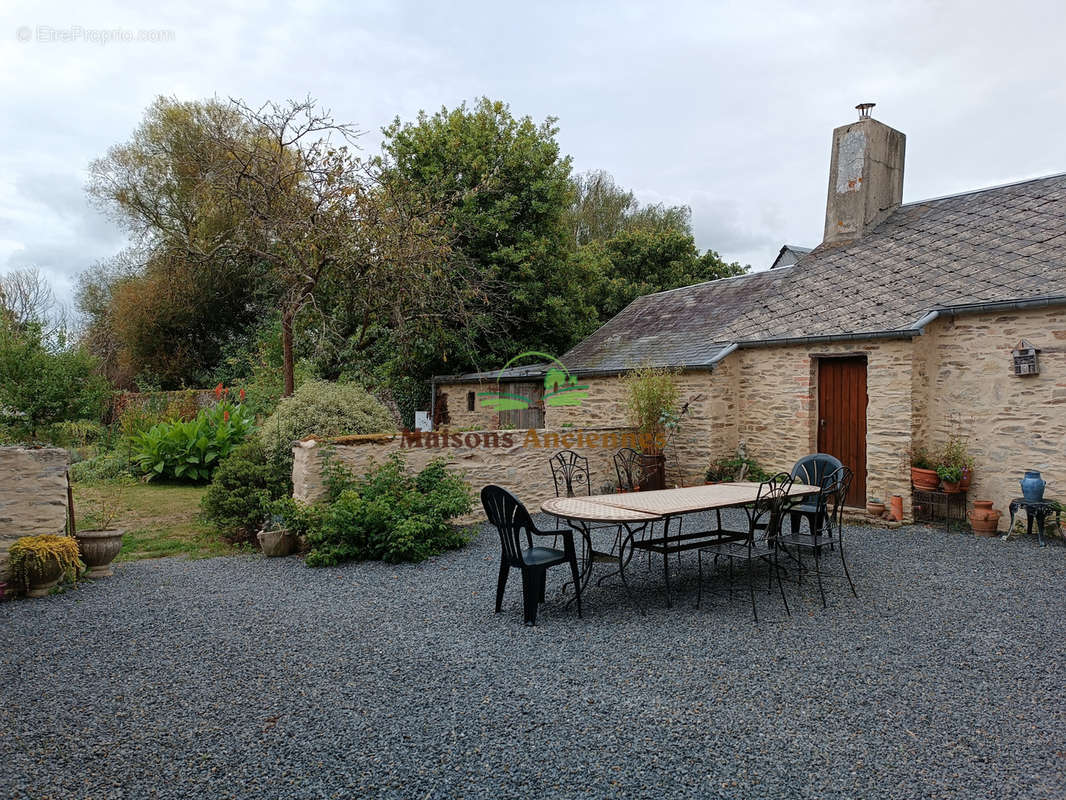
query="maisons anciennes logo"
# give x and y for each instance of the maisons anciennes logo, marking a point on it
(560, 387)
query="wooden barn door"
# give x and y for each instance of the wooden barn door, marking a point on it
(842, 418)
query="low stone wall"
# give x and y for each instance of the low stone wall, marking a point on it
(519, 462)
(33, 494)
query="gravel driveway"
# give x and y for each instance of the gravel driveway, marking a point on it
(253, 678)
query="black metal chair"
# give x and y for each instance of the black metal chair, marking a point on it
(759, 542)
(629, 467)
(830, 533)
(570, 470)
(511, 520)
(813, 470)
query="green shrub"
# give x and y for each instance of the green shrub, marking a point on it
(323, 409)
(191, 450)
(242, 490)
(44, 382)
(388, 515)
(730, 469)
(107, 466)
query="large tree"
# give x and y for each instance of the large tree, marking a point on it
(506, 187)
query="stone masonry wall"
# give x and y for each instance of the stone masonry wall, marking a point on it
(1011, 423)
(33, 494)
(778, 402)
(520, 464)
(458, 416)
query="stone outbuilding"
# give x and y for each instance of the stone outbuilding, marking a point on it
(896, 332)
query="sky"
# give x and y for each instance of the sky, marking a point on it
(725, 107)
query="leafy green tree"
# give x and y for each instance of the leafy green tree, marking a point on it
(641, 261)
(601, 210)
(46, 382)
(506, 187)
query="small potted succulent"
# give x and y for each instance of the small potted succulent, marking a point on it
(874, 507)
(38, 562)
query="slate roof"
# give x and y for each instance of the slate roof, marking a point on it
(1006, 243)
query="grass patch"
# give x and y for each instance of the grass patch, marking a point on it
(159, 520)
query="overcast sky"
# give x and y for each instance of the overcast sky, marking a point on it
(727, 108)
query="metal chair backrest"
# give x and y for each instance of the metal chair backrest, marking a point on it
(511, 519)
(568, 469)
(629, 469)
(764, 515)
(835, 494)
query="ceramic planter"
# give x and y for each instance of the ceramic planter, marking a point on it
(40, 578)
(896, 503)
(952, 487)
(276, 543)
(875, 509)
(98, 550)
(653, 467)
(984, 519)
(925, 480)
(967, 479)
(1033, 486)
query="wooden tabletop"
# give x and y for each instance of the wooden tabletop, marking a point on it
(662, 502)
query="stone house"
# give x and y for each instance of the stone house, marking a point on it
(895, 332)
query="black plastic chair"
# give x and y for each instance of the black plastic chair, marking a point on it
(511, 520)
(814, 470)
(760, 541)
(831, 531)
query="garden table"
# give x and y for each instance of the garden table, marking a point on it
(662, 505)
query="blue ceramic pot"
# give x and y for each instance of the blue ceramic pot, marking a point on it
(1033, 486)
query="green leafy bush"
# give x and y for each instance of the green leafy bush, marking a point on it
(323, 409)
(191, 450)
(242, 491)
(730, 469)
(107, 466)
(389, 515)
(43, 383)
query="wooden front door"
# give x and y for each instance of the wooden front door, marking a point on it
(842, 418)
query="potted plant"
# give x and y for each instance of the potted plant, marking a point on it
(38, 562)
(275, 539)
(652, 398)
(923, 471)
(949, 475)
(955, 454)
(98, 541)
(874, 507)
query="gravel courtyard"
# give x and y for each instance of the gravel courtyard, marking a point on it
(243, 677)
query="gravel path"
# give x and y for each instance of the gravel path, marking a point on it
(253, 678)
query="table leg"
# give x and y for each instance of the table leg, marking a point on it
(623, 561)
(1040, 529)
(666, 559)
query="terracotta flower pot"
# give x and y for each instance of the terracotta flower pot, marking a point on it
(952, 487)
(967, 479)
(98, 550)
(276, 543)
(984, 519)
(896, 503)
(925, 480)
(875, 509)
(40, 578)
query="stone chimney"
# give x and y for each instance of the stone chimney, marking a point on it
(865, 177)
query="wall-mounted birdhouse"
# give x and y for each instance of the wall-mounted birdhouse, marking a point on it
(1025, 358)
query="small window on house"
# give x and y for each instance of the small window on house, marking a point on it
(469, 401)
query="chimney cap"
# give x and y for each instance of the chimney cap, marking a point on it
(864, 109)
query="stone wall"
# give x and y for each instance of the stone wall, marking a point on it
(519, 463)
(33, 494)
(455, 395)
(1011, 423)
(778, 402)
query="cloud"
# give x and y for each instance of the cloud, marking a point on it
(725, 107)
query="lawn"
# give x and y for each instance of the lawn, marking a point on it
(159, 519)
